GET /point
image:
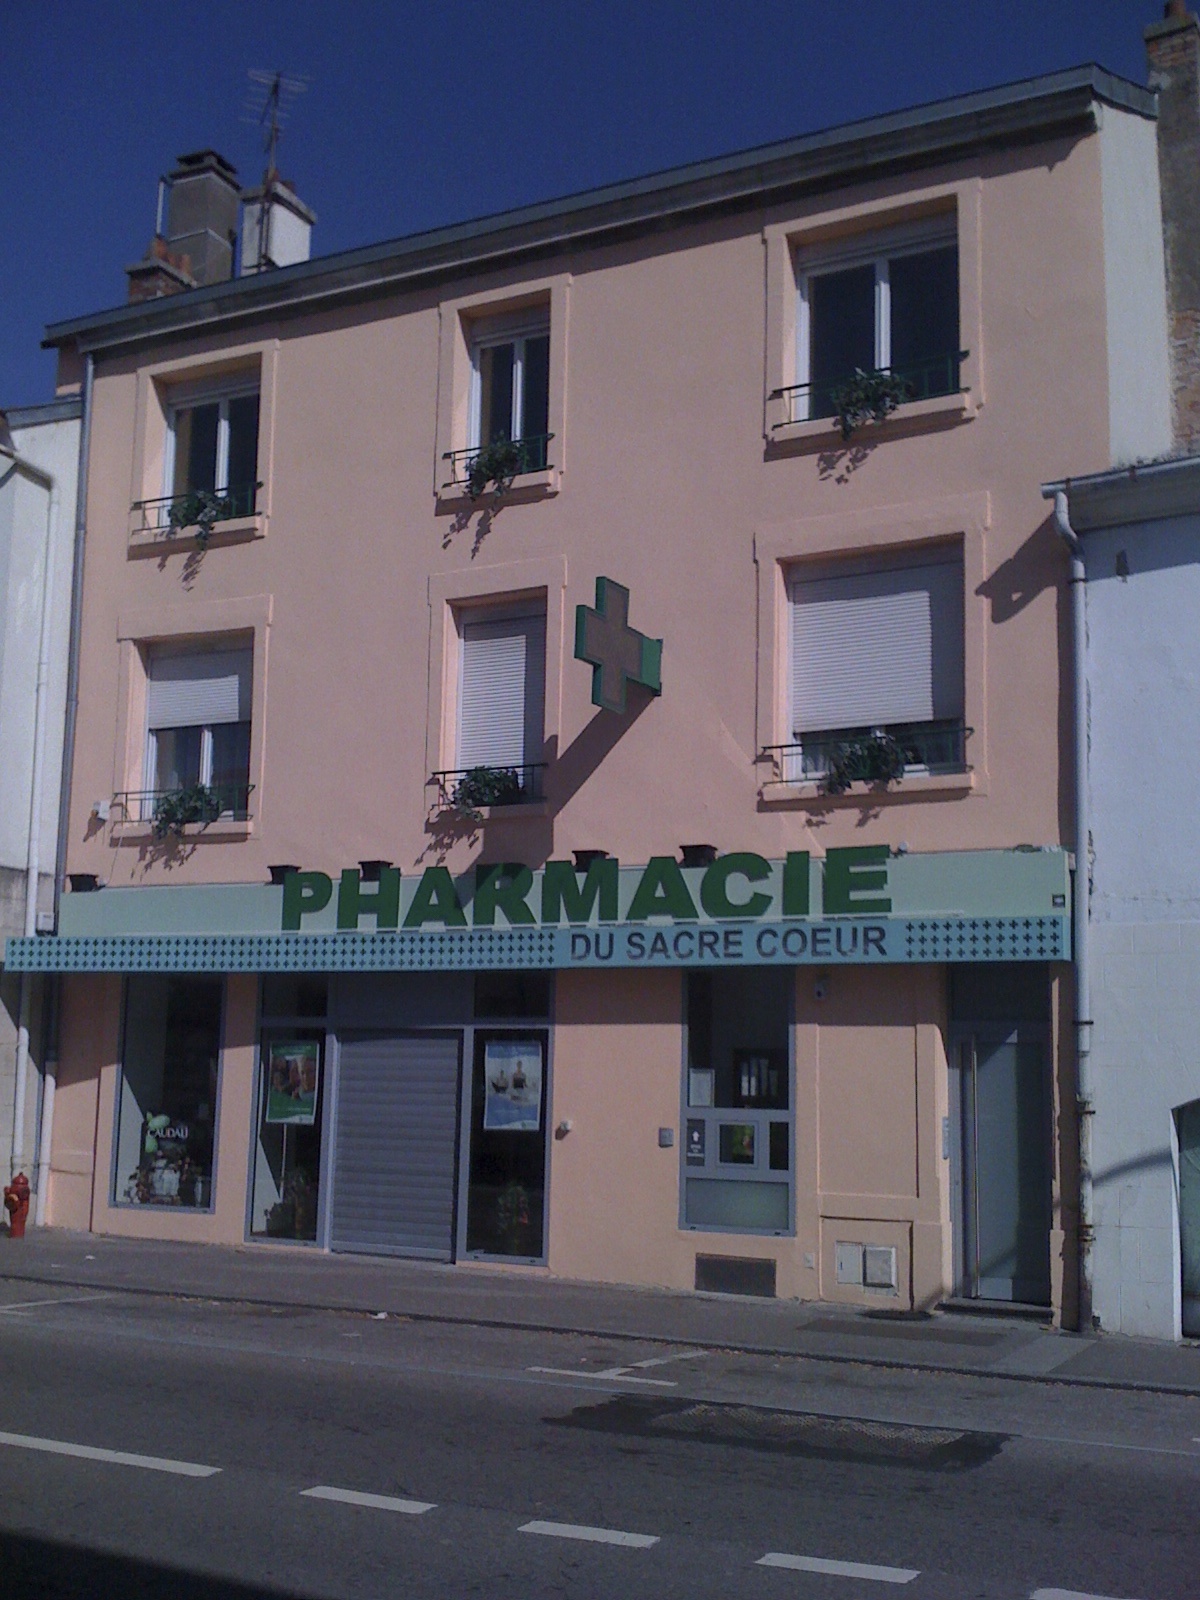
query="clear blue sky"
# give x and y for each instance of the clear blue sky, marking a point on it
(423, 113)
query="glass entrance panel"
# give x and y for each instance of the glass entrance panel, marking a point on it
(287, 1153)
(1005, 1171)
(506, 1178)
(1187, 1121)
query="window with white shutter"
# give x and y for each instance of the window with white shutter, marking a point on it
(501, 700)
(878, 650)
(198, 726)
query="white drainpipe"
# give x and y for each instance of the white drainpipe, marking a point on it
(46, 481)
(1084, 1104)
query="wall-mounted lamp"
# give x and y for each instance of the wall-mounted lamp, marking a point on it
(563, 1128)
(697, 855)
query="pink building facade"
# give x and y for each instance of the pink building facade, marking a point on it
(705, 926)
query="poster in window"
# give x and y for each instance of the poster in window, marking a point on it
(294, 1069)
(512, 1077)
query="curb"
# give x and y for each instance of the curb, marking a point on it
(723, 1346)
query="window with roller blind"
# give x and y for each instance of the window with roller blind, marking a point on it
(501, 697)
(878, 650)
(198, 723)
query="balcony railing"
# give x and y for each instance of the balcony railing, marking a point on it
(466, 789)
(531, 454)
(210, 802)
(241, 500)
(922, 380)
(920, 747)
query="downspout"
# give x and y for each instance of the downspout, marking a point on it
(45, 480)
(1084, 1104)
(50, 1067)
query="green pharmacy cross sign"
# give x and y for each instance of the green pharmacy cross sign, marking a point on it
(617, 653)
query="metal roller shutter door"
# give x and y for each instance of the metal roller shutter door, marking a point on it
(397, 1132)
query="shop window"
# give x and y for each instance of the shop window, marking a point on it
(510, 386)
(286, 1184)
(506, 1156)
(501, 707)
(892, 307)
(198, 735)
(877, 666)
(168, 1091)
(738, 1137)
(212, 445)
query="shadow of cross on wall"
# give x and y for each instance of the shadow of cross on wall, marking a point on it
(618, 654)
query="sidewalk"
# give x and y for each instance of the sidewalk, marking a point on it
(489, 1297)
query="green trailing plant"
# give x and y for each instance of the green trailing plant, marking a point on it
(867, 397)
(485, 786)
(175, 810)
(496, 463)
(200, 509)
(875, 758)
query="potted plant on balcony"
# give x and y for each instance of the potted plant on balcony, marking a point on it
(179, 807)
(867, 397)
(485, 786)
(875, 758)
(497, 463)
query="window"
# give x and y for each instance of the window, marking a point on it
(877, 653)
(198, 731)
(168, 1094)
(510, 386)
(287, 1154)
(501, 706)
(738, 1136)
(213, 445)
(891, 306)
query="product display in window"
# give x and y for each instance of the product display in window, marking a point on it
(169, 1087)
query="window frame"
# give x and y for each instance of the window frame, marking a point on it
(531, 610)
(877, 250)
(494, 333)
(204, 778)
(190, 397)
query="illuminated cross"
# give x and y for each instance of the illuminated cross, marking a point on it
(617, 653)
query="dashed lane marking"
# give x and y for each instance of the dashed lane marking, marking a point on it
(1066, 1594)
(116, 1458)
(574, 1530)
(626, 1374)
(377, 1502)
(837, 1569)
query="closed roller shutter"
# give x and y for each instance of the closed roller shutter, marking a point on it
(502, 695)
(394, 1155)
(198, 688)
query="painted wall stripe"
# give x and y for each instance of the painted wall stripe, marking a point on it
(572, 1530)
(117, 1458)
(377, 1502)
(837, 1569)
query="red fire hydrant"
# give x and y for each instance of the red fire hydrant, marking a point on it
(16, 1203)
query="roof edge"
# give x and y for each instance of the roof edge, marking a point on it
(851, 151)
(1143, 492)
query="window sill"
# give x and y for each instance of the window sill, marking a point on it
(218, 832)
(527, 486)
(155, 541)
(527, 811)
(918, 416)
(777, 794)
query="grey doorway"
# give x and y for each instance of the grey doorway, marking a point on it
(1000, 1116)
(396, 1143)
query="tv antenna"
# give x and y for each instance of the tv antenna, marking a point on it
(268, 103)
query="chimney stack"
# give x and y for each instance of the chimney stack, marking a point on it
(276, 226)
(1173, 55)
(196, 246)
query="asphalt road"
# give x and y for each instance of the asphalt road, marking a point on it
(159, 1447)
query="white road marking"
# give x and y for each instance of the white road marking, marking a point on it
(1065, 1594)
(56, 1300)
(837, 1569)
(572, 1530)
(117, 1458)
(626, 1374)
(378, 1502)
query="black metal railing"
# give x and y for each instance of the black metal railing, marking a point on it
(530, 454)
(925, 747)
(169, 511)
(196, 802)
(466, 789)
(921, 380)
